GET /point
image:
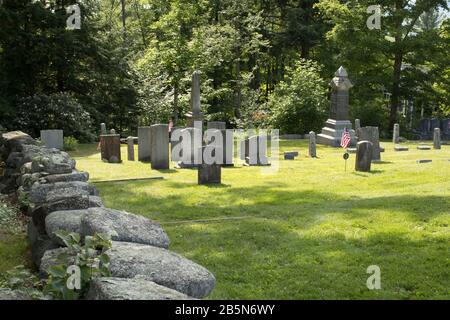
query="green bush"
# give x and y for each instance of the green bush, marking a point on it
(22, 280)
(55, 111)
(89, 257)
(70, 144)
(299, 104)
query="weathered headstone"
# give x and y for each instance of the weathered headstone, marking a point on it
(371, 134)
(244, 149)
(103, 129)
(113, 131)
(160, 146)
(312, 145)
(396, 134)
(130, 144)
(423, 147)
(144, 144)
(110, 148)
(209, 174)
(53, 138)
(257, 151)
(363, 156)
(339, 107)
(196, 113)
(437, 138)
(191, 146)
(357, 124)
(219, 125)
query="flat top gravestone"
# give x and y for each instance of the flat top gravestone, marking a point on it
(437, 138)
(312, 145)
(144, 144)
(53, 138)
(130, 148)
(400, 148)
(160, 146)
(364, 156)
(339, 107)
(216, 125)
(396, 134)
(371, 134)
(423, 147)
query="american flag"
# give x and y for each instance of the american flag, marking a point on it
(346, 138)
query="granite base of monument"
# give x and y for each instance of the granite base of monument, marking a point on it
(332, 133)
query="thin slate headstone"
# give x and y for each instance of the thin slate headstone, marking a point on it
(53, 138)
(437, 139)
(396, 134)
(160, 146)
(312, 147)
(363, 156)
(130, 145)
(144, 144)
(371, 134)
(357, 124)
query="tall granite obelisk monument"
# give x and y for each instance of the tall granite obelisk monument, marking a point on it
(339, 120)
(196, 113)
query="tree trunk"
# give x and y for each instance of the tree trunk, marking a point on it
(175, 104)
(395, 98)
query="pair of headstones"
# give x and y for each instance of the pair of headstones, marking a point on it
(153, 146)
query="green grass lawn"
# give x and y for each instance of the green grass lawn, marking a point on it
(307, 232)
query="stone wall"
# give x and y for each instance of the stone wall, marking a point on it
(58, 197)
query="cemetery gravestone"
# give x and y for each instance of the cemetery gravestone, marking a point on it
(437, 139)
(357, 124)
(290, 155)
(257, 151)
(364, 156)
(312, 145)
(130, 144)
(144, 144)
(194, 145)
(339, 107)
(160, 146)
(371, 134)
(209, 173)
(396, 135)
(110, 148)
(53, 138)
(103, 129)
(195, 114)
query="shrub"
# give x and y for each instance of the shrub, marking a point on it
(55, 111)
(70, 144)
(299, 104)
(89, 258)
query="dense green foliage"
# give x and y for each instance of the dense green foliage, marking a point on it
(88, 255)
(131, 61)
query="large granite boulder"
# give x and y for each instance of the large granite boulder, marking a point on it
(68, 220)
(14, 140)
(124, 226)
(66, 177)
(131, 289)
(53, 162)
(39, 192)
(161, 266)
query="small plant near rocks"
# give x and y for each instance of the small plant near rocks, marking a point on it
(70, 277)
(11, 220)
(22, 280)
(70, 144)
